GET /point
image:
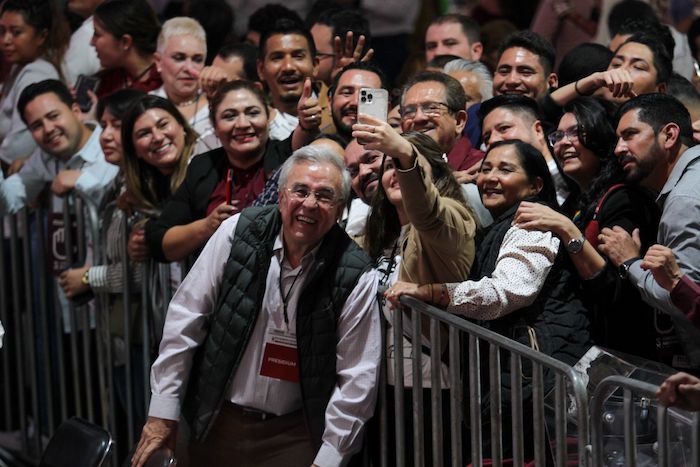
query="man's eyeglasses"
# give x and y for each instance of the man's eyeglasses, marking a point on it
(429, 109)
(571, 134)
(324, 198)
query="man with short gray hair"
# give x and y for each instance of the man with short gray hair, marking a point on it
(272, 342)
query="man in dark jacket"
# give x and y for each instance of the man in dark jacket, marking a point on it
(272, 343)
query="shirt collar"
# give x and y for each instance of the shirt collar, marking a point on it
(689, 156)
(91, 151)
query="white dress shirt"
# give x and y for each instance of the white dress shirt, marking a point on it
(358, 349)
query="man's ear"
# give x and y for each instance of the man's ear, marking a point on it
(661, 87)
(553, 80)
(539, 129)
(669, 135)
(260, 67)
(477, 51)
(461, 121)
(75, 108)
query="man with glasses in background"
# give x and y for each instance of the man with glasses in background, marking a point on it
(434, 103)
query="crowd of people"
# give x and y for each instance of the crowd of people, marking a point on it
(546, 188)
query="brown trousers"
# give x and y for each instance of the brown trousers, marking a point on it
(238, 439)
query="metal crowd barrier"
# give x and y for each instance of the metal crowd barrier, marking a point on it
(57, 358)
(567, 385)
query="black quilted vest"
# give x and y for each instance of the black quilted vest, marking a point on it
(338, 266)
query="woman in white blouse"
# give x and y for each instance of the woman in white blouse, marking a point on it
(521, 284)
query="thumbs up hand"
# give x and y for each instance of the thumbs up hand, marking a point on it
(308, 110)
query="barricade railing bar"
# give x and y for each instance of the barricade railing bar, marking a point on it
(482, 377)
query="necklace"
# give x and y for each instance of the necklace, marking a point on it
(189, 102)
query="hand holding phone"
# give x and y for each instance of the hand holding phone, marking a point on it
(82, 86)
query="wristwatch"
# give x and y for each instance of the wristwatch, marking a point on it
(624, 269)
(86, 278)
(575, 245)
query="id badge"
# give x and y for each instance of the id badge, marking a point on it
(280, 358)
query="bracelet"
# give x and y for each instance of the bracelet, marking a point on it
(432, 299)
(443, 293)
(579, 92)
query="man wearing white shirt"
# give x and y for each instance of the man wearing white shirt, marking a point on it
(69, 154)
(272, 343)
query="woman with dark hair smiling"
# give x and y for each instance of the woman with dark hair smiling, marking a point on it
(583, 145)
(224, 181)
(34, 39)
(419, 229)
(521, 284)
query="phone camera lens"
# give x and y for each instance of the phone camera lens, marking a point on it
(363, 99)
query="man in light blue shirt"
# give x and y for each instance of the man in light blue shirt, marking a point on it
(69, 154)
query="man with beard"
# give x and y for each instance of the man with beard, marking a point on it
(345, 94)
(363, 165)
(286, 57)
(655, 149)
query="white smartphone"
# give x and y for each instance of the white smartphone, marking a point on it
(373, 102)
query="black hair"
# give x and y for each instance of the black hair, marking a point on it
(133, 17)
(364, 66)
(34, 90)
(693, 33)
(596, 133)
(217, 19)
(626, 9)
(44, 17)
(663, 62)
(679, 87)
(441, 60)
(117, 103)
(657, 110)
(583, 60)
(142, 177)
(248, 53)
(513, 102)
(535, 166)
(264, 18)
(230, 86)
(661, 32)
(533, 42)
(343, 20)
(285, 26)
(470, 27)
(454, 92)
